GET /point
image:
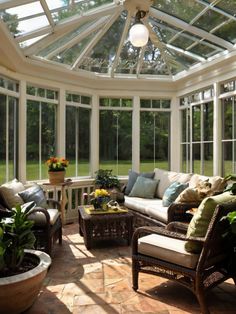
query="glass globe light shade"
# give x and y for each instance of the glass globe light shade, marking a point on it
(138, 35)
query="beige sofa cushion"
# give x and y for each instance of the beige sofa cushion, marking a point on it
(217, 183)
(167, 249)
(168, 177)
(40, 220)
(9, 193)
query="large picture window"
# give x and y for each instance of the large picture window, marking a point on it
(78, 114)
(41, 131)
(197, 132)
(115, 135)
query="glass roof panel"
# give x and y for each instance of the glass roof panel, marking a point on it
(204, 50)
(227, 32)
(209, 20)
(65, 39)
(228, 6)
(69, 56)
(103, 54)
(184, 9)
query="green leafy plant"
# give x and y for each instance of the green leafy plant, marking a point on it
(105, 179)
(15, 236)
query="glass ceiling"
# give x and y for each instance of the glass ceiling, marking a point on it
(93, 35)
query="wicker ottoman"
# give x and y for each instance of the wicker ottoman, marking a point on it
(104, 227)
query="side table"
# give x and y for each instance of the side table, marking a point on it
(105, 226)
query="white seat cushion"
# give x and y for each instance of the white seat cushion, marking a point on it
(167, 249)
(40, 220)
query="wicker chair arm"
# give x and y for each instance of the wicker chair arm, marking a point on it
(141, 231)
(178, 211)
(54, 203)
(177, 226)
(40, 210)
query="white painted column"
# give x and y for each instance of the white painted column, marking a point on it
(22, 132)
(94, 136)
(61, 124)
(175, 135)
(217, 132)
(136, 134)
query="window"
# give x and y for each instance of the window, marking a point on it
(8, 137)
(115, 136)
(41, 130)
(229, 135)
(78, 135)
(154, 139)
(197, 132)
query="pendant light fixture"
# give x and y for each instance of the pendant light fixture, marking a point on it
(138, 33)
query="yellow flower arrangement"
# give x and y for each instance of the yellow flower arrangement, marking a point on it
(101, 193)
(100, 198)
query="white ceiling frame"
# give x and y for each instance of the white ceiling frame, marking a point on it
(187, 53)
(65, 27)
(189, 28)
(78, 38)
(6, 4)
(123, 36)
(98, 36)
(47, 12)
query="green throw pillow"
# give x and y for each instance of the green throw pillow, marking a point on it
(200, 221)
(172, 192)
(144, 187)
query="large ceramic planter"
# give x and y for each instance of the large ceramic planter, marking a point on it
(56, 177)
(18, 293)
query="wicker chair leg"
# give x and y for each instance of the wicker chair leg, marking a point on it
(202, 301)
(60, 236)
(135, 273)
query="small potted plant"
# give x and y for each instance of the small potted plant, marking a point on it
(56, 169)
(22, 269)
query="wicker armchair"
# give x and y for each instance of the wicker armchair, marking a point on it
(154, 251)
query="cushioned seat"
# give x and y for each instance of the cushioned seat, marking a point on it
(40, 219)
(166, 248)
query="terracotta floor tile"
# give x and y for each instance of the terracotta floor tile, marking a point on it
(99, 281)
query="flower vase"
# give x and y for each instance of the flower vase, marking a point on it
(56, 177)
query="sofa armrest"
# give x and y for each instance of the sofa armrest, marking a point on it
(178, 212)
(54, 203)
(177, 226)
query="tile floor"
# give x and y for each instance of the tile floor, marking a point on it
(99, 281)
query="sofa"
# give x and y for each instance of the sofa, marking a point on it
(160, 197)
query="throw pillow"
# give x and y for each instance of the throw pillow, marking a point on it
(172, 192)
(201, 219)
(133, 175)
(9, 193)
(34, 193)
(144, 187)
(188, 195)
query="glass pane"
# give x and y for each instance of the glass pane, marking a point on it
(32, 150)
(183, 9)
(145, 103)
(227, 31)
(84, 142)
(154, 140)
(208, 159)
(116, 145)
(185, 167)
(197, 158)
(196, 113)
(229, 159)
(3, 104)
(227, 123)
(71, 142)
(209, 20)
(13, 135)
(208, 121)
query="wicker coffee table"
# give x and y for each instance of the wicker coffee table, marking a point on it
(105, 226)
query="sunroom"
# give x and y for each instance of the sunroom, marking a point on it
(74, 84)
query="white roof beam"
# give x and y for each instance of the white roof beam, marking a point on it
(63, 28)
(187, 53)
(47, 12)
(78, 38)
(123, 36)
(95, 40)
(189, 28)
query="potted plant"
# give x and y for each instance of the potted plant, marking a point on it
(22, 270)
(56, 169)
